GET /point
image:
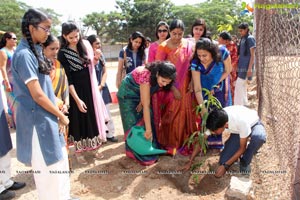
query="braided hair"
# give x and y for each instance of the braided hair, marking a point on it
(34, 17)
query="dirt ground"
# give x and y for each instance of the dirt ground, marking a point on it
(118, 177)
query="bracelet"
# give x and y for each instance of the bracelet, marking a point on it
(197, 91)
(226, 166)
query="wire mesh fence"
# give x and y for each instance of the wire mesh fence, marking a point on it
(278, 77)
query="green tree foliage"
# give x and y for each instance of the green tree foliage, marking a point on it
(56, 24)
(143, 15)
(219, 15)
(147, 13)
(188, 14)
(107, 26)
(11, 13)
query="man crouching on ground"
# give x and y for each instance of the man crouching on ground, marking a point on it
(243, 124)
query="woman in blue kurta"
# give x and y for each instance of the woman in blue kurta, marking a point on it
(211, 66)
(134, 101)
(39, 142)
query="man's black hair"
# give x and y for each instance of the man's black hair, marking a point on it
(216, 119)
(225, 35)
(244, 25)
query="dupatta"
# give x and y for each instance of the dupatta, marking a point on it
(99, 106)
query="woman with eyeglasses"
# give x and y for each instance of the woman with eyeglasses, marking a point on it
(39, 141)
(8, 44)
(177, 116)
(132, 55)
(87, 112)
(161, 33)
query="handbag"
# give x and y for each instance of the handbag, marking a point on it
(124, 66)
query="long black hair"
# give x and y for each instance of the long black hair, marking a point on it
(7, 35)
(92, 38)
(164, 69)
(141, 50)
(66, 29)
(199, 22)
(34, 17)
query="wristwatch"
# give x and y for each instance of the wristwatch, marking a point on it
(225, 166)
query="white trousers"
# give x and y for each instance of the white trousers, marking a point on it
(52, 182)
(240, 92)
(110, 125)
(5, 172)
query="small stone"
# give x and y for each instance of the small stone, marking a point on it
(239, 187)
(119, 188)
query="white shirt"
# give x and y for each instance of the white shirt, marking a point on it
(241, 119)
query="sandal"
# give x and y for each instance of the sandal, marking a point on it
(81, 160)
(99, 155)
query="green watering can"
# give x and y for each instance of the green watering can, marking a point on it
(137, 142)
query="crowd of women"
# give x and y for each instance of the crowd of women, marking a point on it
(200, 63)
(57, 94)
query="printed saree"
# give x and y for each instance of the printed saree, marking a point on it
(175, 120)
(129, 97)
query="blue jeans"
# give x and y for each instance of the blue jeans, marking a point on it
(258, 138)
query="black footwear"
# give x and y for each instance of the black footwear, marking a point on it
(112, 139)
(6, 195)
(245, 169)
(17, 186)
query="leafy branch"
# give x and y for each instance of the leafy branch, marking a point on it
(202, 110)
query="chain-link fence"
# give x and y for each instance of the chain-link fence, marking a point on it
(278, 77)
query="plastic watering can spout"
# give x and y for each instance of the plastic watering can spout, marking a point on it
(137, 142)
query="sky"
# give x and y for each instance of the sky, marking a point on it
(75, 9)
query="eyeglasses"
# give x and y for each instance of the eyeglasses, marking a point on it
(47, 30)
(162, 30)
